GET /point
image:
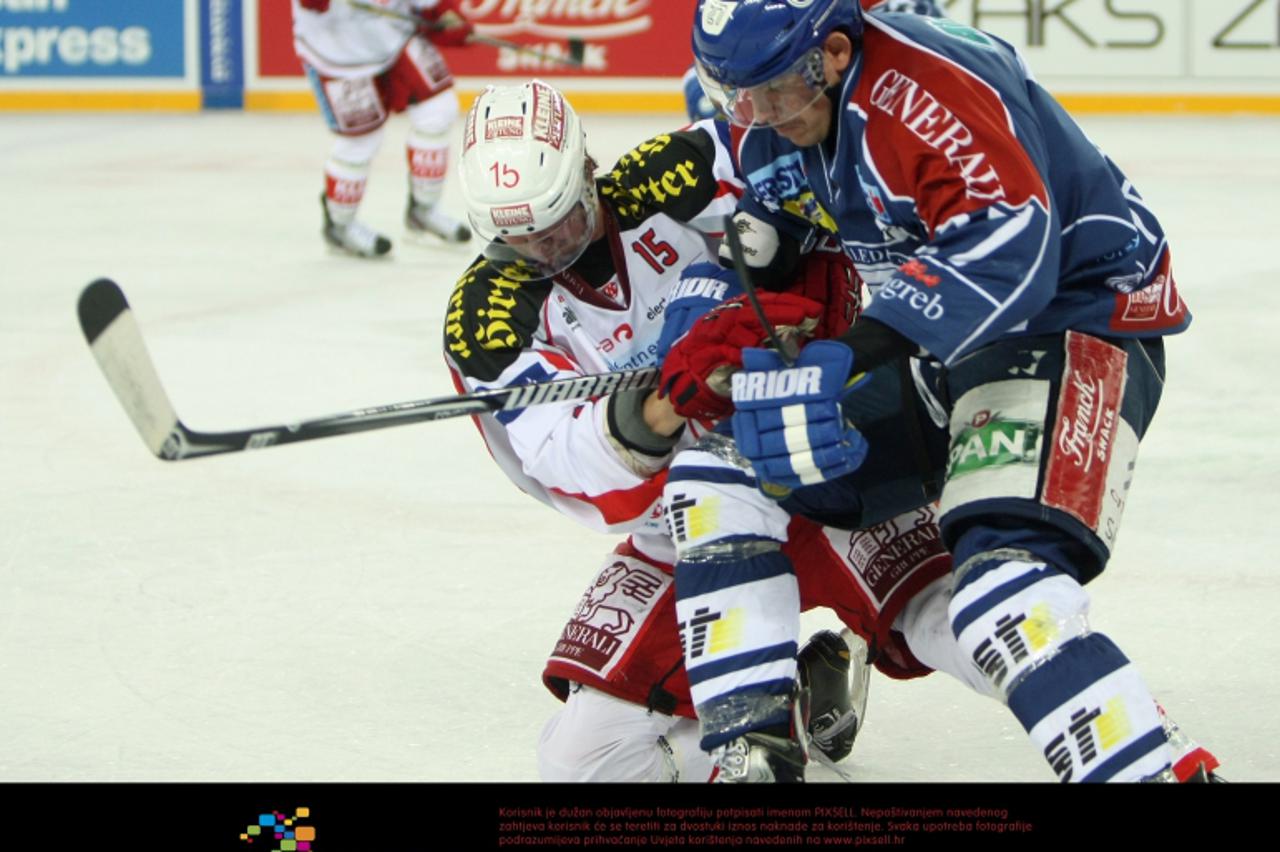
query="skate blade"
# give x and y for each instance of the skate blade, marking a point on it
(338, 251)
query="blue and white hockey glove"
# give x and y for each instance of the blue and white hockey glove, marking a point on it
(702, 286)
(788, 420)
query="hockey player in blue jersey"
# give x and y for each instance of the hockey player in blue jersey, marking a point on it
(1008, 365)
(698, 106)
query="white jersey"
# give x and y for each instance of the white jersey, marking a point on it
(348, 42)
(664, 205)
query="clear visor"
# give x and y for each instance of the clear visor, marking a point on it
(550, 251)
(776, 101)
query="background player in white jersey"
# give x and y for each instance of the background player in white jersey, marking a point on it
(577, 277)
(364, 67)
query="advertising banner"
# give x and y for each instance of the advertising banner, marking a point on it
(92, 38)
(620, 38)
(222, 54)
(1095, 55)
(1172, 40)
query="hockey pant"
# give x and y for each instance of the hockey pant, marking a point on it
(1036, 475)
(354, 106)
(619, 665)
(1037, 478)
(742, 579)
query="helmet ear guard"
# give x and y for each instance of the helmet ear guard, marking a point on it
(527, 178)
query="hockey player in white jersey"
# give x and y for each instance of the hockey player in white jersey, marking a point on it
(576, 278)
(365, 66)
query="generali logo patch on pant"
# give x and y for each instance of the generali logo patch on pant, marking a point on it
(606, 619)
(889, 552)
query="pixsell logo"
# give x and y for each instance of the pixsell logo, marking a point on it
(282, 833)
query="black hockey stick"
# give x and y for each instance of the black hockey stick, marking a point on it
(787, 349)
(577, 49)
(114, 337)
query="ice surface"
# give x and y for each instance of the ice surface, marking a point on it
(378, 607)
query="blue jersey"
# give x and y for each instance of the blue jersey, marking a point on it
(971, 203)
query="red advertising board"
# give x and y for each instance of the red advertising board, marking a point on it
(622, 38)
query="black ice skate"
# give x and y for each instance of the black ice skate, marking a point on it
(759, 758)
(353, 238)
(419, 220)
(833, 691)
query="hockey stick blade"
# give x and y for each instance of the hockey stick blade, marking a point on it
(113, 337)
(577, 50)
(116, 341)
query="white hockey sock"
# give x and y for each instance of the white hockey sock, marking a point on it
(925, 625)
(428, 155)
(346, 172)
(1084, 705)
(344, 185)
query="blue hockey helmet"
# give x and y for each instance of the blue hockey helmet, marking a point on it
(760, 61)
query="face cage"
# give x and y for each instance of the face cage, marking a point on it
(777, 100)
(548, 252)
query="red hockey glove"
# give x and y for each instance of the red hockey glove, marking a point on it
(695, 373)
(315, 5)
(445, 25)
(828, 277)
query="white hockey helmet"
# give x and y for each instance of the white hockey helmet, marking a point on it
(525, 178)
